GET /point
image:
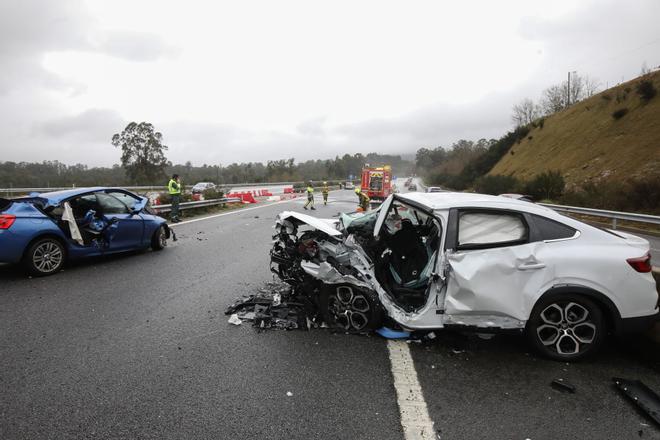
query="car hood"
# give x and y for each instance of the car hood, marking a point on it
(329, 226)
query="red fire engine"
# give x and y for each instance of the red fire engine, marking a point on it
(377, 181)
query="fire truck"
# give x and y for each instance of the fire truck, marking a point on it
(377, 182)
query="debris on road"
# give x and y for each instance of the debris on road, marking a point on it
(275, 306)
(563, 386)
(289, 393)
(641, 395)
(234, 319)
(388, 333)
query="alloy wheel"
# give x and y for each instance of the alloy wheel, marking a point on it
(566, 328)
(350, 310)
(47, 257)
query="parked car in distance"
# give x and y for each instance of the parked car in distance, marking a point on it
(471, 262)
(202, 186)
(43, 231)
(349, 185)
(435, 189)
(412, 187)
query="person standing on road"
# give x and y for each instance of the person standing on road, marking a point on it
(363, 199)
(310, 196)
(325, 190)
(174, 188)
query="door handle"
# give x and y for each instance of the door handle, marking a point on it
(531, 266)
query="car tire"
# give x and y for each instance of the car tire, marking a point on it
(351, 309)
(159, 239)
(44, 257)
(566, 327)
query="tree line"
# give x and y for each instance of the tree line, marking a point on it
(58, 174)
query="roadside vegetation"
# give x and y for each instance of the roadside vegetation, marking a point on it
(57, 174)
(596, 150)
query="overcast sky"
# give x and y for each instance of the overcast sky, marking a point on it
(255, 80)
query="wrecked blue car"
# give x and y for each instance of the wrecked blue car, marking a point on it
(42, 231)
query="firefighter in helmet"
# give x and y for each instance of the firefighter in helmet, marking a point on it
(310, 196)
(363, 199)
(325, 190)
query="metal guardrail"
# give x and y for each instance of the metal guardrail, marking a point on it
(197, 204)
(156, 188)
(612, 215)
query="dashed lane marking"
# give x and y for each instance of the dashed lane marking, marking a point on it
(415, 420)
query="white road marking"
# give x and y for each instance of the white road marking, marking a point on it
(415, 420)
(238, 211)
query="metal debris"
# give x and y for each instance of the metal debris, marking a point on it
(644, 397)
(563, 386)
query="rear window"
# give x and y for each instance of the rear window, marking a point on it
(552, 230)
(4, 204)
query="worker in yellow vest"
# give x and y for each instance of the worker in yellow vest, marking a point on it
(174, 188)
(325, 190)
(310, 196)
(363, 199)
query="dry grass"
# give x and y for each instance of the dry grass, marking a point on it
(586, 143)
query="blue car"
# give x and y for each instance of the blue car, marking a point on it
(43, 231)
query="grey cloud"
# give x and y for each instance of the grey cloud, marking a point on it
(134, 46)
(94, 125)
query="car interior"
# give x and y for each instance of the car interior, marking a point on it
(408, 252)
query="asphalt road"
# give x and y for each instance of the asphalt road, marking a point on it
(137, 346)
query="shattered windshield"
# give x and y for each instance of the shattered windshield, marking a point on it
(360, 223)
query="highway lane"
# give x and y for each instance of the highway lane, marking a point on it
(138, 346)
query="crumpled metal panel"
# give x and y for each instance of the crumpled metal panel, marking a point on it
(495, 282)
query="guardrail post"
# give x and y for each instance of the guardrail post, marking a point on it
(614, 223)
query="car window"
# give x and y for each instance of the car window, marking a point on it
(552, 230)
(81, 205)
(479, 230)
(110, 205)
(126, 199)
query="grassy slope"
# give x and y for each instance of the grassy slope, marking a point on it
(586, 143)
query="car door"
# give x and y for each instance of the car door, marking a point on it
(494, 268)
(129, 232)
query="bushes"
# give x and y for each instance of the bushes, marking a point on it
(633, 195)
(646, 90)
(496, 184)
(619, 113)
(548, 185)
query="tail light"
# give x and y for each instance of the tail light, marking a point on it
(641, 264)
(6, 220)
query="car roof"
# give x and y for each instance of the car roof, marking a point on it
(58, 196)
(446, 200)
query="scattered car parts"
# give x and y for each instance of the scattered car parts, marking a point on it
(641, 395)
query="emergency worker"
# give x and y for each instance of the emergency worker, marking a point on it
(363, 199)
(325, 190)
(174, 188)
(310, 196)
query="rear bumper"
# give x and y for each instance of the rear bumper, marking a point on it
(638, 324)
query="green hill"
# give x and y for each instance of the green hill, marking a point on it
(612, 136)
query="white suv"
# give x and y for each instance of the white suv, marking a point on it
(427, 261)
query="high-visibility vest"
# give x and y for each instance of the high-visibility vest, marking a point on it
(173, 187)
(310, 190)
(325, 190)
